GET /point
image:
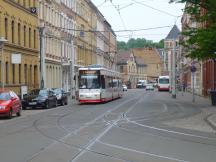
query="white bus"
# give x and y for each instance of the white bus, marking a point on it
(98, 84)
(163, 83)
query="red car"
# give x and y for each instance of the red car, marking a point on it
(9, 104)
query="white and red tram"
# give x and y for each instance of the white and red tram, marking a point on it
(98, 84)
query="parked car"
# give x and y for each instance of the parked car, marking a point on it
(141, 84)
(9, 104)
(149, 87)
(61, 95)
(39, 98)
(124, 87)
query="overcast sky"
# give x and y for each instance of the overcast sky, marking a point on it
(141, 14)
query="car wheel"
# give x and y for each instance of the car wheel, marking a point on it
(66, 101)
(56, 103)
(62, 102)
(10, 114)
(47, 105)
(19, 112)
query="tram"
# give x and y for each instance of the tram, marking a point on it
(98, 84)
(163, 83)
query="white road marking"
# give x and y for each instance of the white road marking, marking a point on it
(142, 152)
(91, 143)
(170, 131)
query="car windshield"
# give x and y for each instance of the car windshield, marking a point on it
(4, 96)
(57, 91)
(43, 93)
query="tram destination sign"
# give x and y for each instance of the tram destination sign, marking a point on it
(92, 72)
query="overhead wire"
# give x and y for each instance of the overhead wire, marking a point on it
(148, 6)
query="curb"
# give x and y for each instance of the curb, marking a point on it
(210, 120)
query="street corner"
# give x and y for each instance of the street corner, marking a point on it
(211, 120)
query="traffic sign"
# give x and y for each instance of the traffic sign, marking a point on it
(193, 69)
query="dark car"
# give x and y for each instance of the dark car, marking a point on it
(61, 95)
(9, 104)
(39, 98)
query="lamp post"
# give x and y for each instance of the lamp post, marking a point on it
(2, 41)
(42, 55)
(174, 70)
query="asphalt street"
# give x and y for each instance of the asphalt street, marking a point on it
(140, 127)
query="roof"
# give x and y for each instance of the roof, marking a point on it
(123, 57)
(139, 61)
(174, 33)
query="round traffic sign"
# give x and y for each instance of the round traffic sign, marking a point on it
(193, 69)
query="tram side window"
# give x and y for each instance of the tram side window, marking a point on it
(115, 83)
(103, 82)
(110, 83)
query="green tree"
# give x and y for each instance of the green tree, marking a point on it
(201, 41)
(138, 43)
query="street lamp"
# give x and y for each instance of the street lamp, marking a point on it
(2, 41)
(42, 55)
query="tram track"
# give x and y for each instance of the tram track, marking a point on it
(69, 132)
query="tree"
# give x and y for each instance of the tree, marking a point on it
(201, 41)
(138, 43)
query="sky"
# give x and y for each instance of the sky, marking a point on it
(152, 18)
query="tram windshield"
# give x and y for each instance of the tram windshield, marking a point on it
(89, 79)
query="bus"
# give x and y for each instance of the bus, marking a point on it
(98, 84)
(163, 83)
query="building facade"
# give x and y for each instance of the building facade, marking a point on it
(171, 46)
(19, 25)
(127, 66)
(153, 63)
(68, 49)
(186, 63)
(50, 20)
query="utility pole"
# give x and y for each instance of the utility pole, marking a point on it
(174, 70)
(42, 56)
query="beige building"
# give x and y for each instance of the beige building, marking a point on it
(127, 66)
(153, 64)
(18, 24)
(50, 20)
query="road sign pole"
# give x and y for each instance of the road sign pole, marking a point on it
(193, 70)
(193, 90)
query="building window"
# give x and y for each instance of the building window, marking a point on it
(24, 3)
(30, 75)
(6, 71)
(35, 76)
(24, 36)
(13, 73)
(12, 31)
(25, 73)
(29, 37)
(6, 28)
(19, 34)
(20, 73)
(35, 39)
(34, 3)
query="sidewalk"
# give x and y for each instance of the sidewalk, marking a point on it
(207, 108)
(204, 121)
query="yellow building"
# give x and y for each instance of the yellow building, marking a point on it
(18, 24)
(85, 39)
(152, 61)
